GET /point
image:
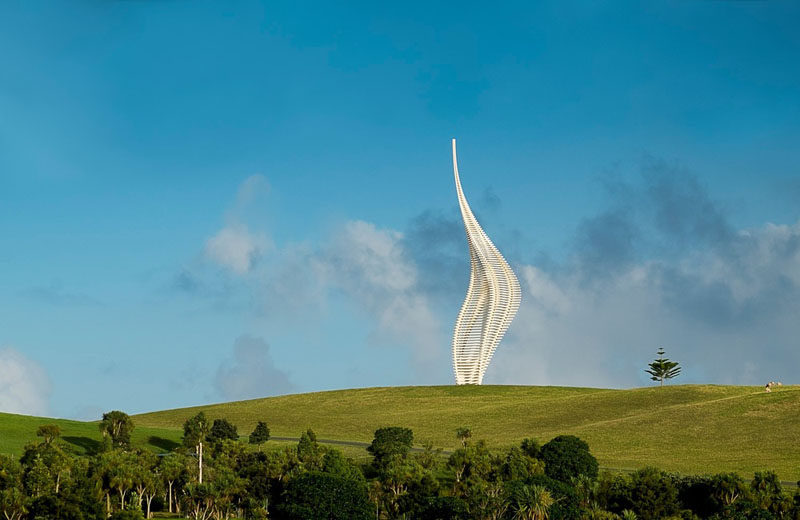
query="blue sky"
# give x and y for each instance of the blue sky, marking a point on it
(205, 201)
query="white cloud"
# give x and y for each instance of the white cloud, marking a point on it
(251, 373)
(371, 266)
(727, 314)
(236, 248)
(661, 267)
(24, 385)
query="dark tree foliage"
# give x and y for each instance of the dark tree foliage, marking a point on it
(648, 492)
(242, 481)
(260, 434)
(696, 494)
(195, 430)
(531, 447)
(254, 468)
(566, 457)
(743, 509)
(444, 508)
(567, 505)
(334, 463)
(662, 368)
(321, 496)
(222, 429)
(116, 427)
(308, 450)
(127, 515)
(519, 465)
(389, 442)
(728, 488)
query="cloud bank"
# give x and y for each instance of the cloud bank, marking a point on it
(660, 265)
(24, 385)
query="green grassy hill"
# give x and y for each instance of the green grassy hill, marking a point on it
(688, 428)
(78, 437)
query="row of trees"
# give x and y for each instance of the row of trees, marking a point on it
(308, 481)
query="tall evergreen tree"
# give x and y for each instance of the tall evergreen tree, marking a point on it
(662, 368)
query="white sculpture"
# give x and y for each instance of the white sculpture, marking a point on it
(492, 300)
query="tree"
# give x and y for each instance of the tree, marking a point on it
(519, 465)
(653, 495)
(322, 496)
(147, 480)
(117, 426)
(567, 456)
(49, 432)
(390, 442)
(532, 502)
(333, 462)
(195, 430)
(13, 499)
(260, 434)
(463, 434)
(662, 368)
(222, 429)
(172, 469)
(308, 450)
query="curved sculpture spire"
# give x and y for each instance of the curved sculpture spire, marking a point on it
(492, 300)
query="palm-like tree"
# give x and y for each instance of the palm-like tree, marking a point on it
(532, 503)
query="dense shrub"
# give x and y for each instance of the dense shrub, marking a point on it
(566, 457)
(321, 496)
(648, 492)
(444, 508)
(695, 493)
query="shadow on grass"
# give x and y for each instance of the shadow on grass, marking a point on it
(162, 443)
(89, 446)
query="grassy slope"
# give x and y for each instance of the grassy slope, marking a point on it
(690, 428)
(79, 437)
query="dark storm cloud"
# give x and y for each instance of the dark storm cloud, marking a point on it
(435, 243)
(606, 244)
(681, 208)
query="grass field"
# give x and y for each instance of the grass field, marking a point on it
(686, 428)
(79, 437)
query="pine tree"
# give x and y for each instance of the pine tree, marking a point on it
(662, 368)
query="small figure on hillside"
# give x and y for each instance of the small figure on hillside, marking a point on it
(767, 388)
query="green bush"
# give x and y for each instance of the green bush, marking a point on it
(322, 496)
(390, 442)
(566, 457)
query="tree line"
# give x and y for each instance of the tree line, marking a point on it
(217, 475)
